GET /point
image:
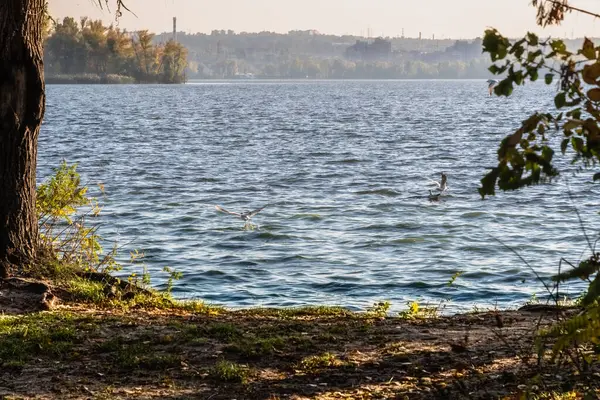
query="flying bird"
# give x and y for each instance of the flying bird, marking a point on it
(245, 216)
(442, 185)
(491, 84)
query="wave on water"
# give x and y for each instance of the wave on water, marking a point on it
(379, 192)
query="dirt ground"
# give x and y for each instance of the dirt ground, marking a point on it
(79, 351)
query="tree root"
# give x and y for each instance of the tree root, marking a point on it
(115, 285)
(18, 295)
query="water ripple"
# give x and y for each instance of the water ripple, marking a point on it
(344, 168)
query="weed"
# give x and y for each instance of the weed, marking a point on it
(47, 334)
(308, 311)
(223, 331)
(313, 363)
(230, 372)
(257, 347)
(173, 275)
(86, 291)
(415, 311)
(379, 309)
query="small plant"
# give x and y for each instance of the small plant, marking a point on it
(223, 331)
(415, 311)
(379, 309)
(257, 347)
(63, 229)
(227, 371)
(454, 277)
(412, 312)
(313, 363)
(173, 275)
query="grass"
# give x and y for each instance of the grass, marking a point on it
(226, 332)
(313, 363)
(23, 337)
(226, 371)
(245, 354)
(257, 347)
(307, 311)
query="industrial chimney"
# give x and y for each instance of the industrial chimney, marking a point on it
(175, 29)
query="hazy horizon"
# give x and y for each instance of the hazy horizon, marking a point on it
(461, 19)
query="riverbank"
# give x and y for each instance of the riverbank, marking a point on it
(144, 346)
(97, 79)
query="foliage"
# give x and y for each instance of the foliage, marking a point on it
(62, 232)
(379, 309)
(416, 311)
(313, 363)
(91, 49)
(526, 156)
(73, 248)
(230, 372)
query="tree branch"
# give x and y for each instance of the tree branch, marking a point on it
(120, 5)
(555, 14)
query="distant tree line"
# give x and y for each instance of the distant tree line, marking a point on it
(309, 54)
(89, 50)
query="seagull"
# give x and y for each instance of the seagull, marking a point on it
(245, 216)
(442, 186)
(491, 84)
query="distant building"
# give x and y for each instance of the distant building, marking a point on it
(378, 49)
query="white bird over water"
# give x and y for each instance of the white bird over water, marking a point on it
(245, 216)
(442, 185)
(491, 84)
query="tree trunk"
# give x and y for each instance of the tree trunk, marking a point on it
(22, 105)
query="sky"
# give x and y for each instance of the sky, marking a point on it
(457, 19)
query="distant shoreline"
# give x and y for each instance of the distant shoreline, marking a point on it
(127, 80)
(96, 79)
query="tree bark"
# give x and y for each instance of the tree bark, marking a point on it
(22, 106)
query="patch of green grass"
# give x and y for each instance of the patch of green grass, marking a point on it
(159, 362)
(136, 355)
(225, 332)
(257, 347)
(86, 291)
(308, 311)
(198, 306)
(313, 363)
(226, 371)
(42, 334)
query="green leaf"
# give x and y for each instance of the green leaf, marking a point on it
(532, 39)
(559, 47)
(504, 88)
(560, 100)
(494, 69)
(571, 124)
(577, 144)
(495, 44)
(588, 50)
(563, 145)
(548, 78)
(533, 73)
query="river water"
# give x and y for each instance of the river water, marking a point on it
(343, 167)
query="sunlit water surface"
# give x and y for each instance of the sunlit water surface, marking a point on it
(343, 168)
